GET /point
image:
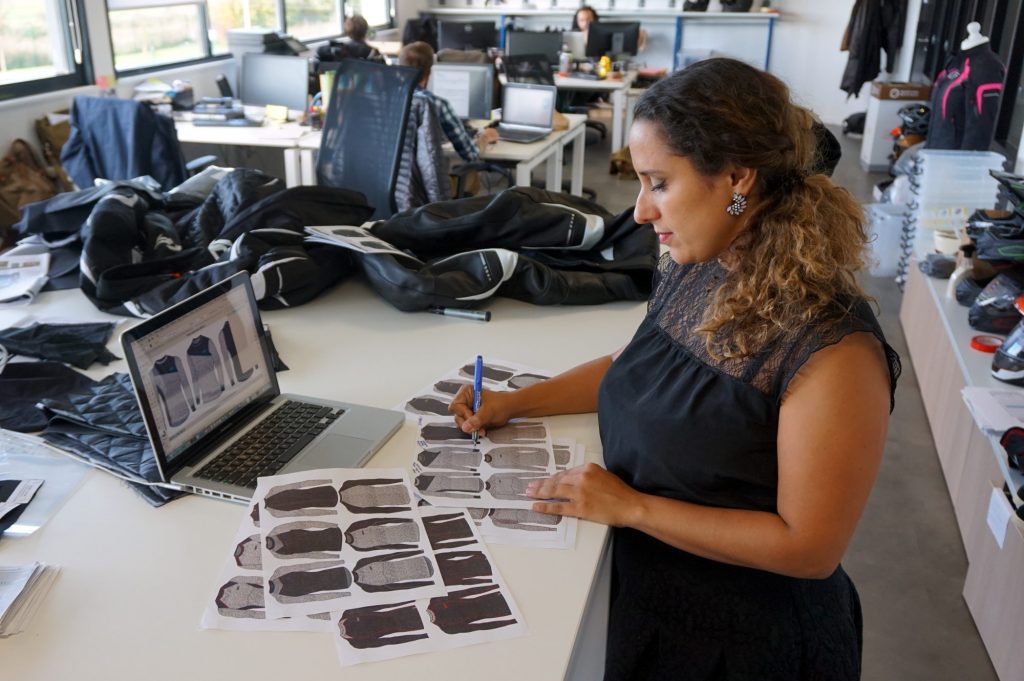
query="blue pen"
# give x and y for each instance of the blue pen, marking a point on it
(478, 387)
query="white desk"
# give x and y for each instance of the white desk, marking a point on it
(135, 579)
(616, 87)
(284, 136)
(549, 150)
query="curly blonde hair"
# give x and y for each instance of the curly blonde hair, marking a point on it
(796, 262)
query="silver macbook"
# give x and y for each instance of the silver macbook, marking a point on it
(527, 112)
(214, 413)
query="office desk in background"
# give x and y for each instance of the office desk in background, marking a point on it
(617, 87)
(526, 157)
(284, 136)
(135, 579)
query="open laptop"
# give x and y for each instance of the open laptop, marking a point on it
(527, 112)
(213, 410)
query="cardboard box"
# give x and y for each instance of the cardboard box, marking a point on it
(911, 92)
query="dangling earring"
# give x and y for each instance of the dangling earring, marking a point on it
(737, 206)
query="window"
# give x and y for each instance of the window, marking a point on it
(378, 13)
(41, 47)
(144, 35)
(153, 33)
(307, 19)
(227, 14)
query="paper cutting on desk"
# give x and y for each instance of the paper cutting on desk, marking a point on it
(477, 608)
(357, 239)
(342, 538)
(525, 527)
(450, 471)
(238, 601)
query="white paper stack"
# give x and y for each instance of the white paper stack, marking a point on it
(995, 410)
(22, 588)
(22, 277)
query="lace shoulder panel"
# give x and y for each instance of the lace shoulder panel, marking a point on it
(794, 353)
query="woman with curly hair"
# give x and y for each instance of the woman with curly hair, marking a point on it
(744, 423)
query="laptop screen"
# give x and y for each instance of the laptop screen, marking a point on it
(532, 105)
(197, 364)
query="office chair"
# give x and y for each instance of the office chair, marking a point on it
(120, 139)
(535, 68)
(361, 143)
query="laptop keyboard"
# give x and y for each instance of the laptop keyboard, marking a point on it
(519, 135)
(271, 444)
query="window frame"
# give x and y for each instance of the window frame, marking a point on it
(75, 30)
(281, 11)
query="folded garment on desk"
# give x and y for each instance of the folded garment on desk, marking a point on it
(77, 344)
(24, 384)
(103, 425)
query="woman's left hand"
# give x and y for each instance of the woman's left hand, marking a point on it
(589, 492)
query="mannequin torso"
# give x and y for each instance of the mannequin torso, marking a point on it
(974, 36)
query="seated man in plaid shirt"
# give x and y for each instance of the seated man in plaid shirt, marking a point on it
(420, 55)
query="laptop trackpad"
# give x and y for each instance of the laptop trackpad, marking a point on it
(334, 451)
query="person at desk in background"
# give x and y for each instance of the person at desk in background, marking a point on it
(737, 468)
(420, 55)
(584, 17)
(356, 29)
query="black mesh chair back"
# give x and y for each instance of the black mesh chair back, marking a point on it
(529, 68)
(361, 143)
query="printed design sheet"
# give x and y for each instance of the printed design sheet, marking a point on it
(526, 527)
(358, 239)
(477, 608)
(342, 538)
(238, 602)
(450, 471)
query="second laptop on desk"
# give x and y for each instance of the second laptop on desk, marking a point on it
(527, 112)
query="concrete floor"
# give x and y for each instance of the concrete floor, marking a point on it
(906, 558)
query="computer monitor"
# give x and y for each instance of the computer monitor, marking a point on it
(466, 35)
(529, 68)
(576, 41)
(613, 38)
(467, 87)
(547, 43)
(275, 79)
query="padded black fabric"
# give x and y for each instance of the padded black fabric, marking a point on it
(104, 425)
(23, 384)
(77, 344)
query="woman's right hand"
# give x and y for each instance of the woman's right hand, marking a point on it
(495, 410)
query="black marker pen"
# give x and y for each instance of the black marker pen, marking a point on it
(478, 315)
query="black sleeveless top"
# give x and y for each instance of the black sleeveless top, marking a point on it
(678, 424)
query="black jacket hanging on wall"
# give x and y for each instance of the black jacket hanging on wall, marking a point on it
(965, 100)
(874, 25)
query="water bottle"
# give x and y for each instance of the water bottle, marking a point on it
(564, 61)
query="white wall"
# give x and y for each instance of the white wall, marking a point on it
(805, 53)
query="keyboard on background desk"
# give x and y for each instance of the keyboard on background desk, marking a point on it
(228, 123)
